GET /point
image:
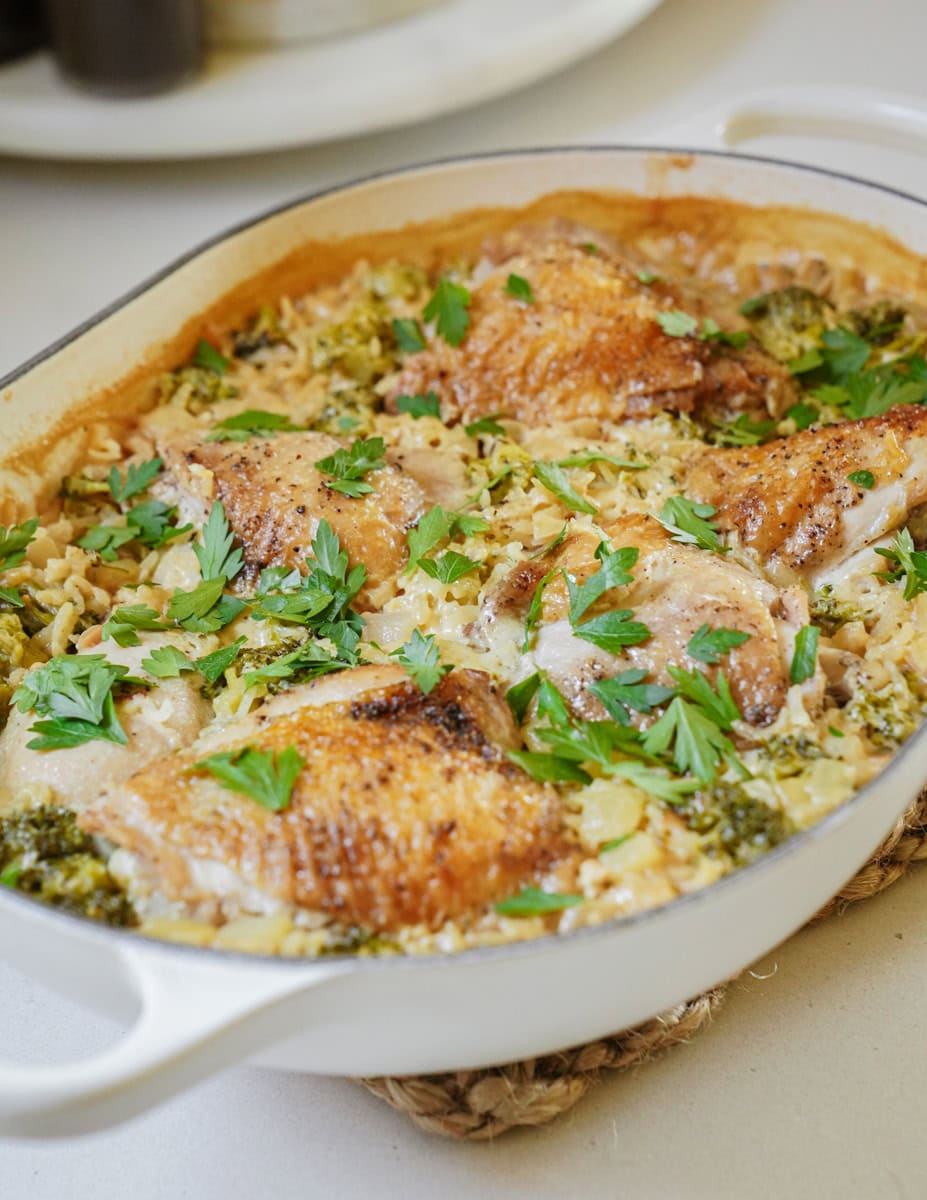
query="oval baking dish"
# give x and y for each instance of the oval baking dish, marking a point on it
(193, 1011)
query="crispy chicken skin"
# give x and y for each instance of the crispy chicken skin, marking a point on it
(792, 502)
(675, 590)
(274, 498)
(588, 346)
(406, 812)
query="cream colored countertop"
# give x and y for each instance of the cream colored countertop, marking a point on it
(808, 1085)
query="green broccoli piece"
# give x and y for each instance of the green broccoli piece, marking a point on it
(360, 347)
(887, 715)
(198, 388)
(879, 324)
(831, 613)
(264, 331)
(13, 639)
(43, 853)
(789, 322)
(731, 821)
(397, 279)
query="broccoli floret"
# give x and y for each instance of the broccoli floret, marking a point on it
(13, 639)
(888, 715)
(354, 940)
(196, 388)
(349, 412)
(879, 324)
(790, 754)
(79, 487)
(790, 321)
(361, 346)
(397, 279)
(731, 820)
(44, 854)
(265, 330)
(830, 613)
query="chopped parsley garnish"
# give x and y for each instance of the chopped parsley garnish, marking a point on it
(535, 608)
(14, 542)
(151, 522)
(254, 422)
(449, 309)
(698, 742)
(908, 564)
(871, 393)
(520, 288)
(742, 432)
(533, 902)
(206, 608)
(137, 479)
(647, 277)
(75, 693)
(709, 645)
(677, 323)
(718, 704)
(208, 357)
(419, 406)
(123, 624)
(448, 567)
(551, 545)
(520, 695)
(803, 414)
(585, 458)
(555, 480)
(546, 767)
(213, 666)
(167, 662)
(408, 334)
(611, 631)
(216, 552)
(487, 424)
(712, 332)
(690, 523)
(107, 540)
(626, 690)
(590, 247)
(421, 658)
(349, 467)
(805, 656)
(614, 843)
(863, 479)
(260, 775)
(436, 525)
(306, 662)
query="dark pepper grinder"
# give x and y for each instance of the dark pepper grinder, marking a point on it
(126, 47)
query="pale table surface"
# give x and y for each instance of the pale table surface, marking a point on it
(809, 1083)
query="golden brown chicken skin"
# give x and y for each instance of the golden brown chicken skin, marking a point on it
(588, 346)
(675, 590)
(792, 501)
(406, 812)
(275, 497)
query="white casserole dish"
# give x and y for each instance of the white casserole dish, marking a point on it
(193, 1012)
(277, 22)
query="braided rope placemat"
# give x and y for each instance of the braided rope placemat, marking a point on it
(478, 1105)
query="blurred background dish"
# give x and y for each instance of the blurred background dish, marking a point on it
(444, 57)
(276, 22)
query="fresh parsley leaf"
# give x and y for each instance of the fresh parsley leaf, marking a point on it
(533, 902)
(655, 783)
(137, 479)
(535, 608)
(809, 361)
(421, 658)
(260, 775)
(590, 247)
(614, 571)
(520, 288)
(213, 666)
(549, 768)
(14, 542)
(835, 732)
(647, 277)
(348, 467)
(677, 323)
(613, 631)
(804, 415)
(614, 843)
(151, 523)
(449, 309)
(551, 545)
(753, 304)
(909, 564)
(75, 693)
(208, 357)
(123, 624)
(708, 645)
(844, 352)
(107, 540)
(805, 656)
(690, 523)
(448, 567)
(9, 876)
(254, 422)
(585, 458)
(520, 695)
(487, 424)
(419, 406)
(627, 690)
(216, 556)
(699, 745)
(431, 529)
(718, 704)
(11, 596)
(871, 393)
(742, 432)
(408, 334)
(167, 662)
(712, 332)
(206, 609)
(555, 480)
(863, 479)
(304, 663)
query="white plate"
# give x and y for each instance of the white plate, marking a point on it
(442, 59)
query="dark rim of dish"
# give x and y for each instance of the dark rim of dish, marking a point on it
(548, 942)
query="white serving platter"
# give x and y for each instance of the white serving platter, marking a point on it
(442, 59)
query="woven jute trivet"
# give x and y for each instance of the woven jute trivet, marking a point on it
(478, 1105)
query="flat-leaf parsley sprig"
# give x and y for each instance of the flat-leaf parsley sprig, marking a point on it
(74, 695)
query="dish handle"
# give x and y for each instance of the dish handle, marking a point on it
(195, 1017)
